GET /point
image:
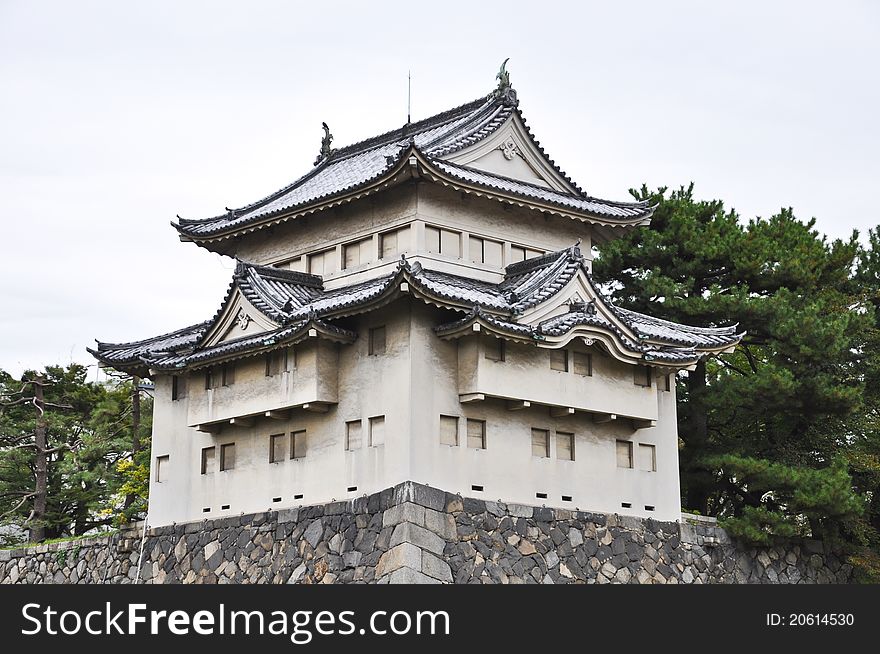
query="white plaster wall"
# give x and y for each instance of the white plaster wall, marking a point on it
(367, 385)
(412, 384)
(422, 203)
(508, 471)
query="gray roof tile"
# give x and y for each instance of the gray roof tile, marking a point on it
(292, 299)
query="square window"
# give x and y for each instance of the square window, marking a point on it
(493, 348)
(353, 435)
(540, 443)
(450, 243)
(449, 430)
(564, 446)
(388, 245)
(432, 239)
(162, 463)
(647, 457)
(228, 374)
(358, 253)
(178, 387)
(624, 454)
(277, 448)
(476, 434)
(377, 340)
(227, 456)
(486, 251)
(583, 363)
(298, 444)
(275, 362)
(559, 360)
(208, 460)
(642, 376)
(377, 431)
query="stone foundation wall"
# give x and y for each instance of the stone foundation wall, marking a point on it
(416, 534)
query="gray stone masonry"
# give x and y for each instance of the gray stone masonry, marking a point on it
(416, 534)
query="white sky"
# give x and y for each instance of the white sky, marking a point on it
(115, 116)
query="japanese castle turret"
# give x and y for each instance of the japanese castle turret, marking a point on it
(418, 306)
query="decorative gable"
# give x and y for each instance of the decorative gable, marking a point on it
(237, 319)
(577, 292)
(511, 152)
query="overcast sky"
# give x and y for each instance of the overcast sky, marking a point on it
(115, 116)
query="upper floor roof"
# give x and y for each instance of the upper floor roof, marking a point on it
(483, 147)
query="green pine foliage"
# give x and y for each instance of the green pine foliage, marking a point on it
(779, 437)
(90, 431)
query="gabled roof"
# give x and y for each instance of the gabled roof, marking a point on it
(301, 308)
(381, 161)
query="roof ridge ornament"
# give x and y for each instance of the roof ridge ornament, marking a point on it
(326, 140)
(504, 91)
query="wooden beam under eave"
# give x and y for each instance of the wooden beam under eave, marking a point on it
(599, 418)
(277, 415)
(471, 397)
(516, 405)
(561, 411)
(242, 422)
(639, 423)
(316, 407)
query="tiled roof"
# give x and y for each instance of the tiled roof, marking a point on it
(363, 164)
(584, 204)
(294, 300)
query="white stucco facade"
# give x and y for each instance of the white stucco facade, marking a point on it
(419, 307)
(411, 385)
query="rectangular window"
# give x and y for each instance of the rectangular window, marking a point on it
(393, 243)
(476, 434)
(298, 444)
(228, 374)
(207, 460)
(227, 456)
(277, 448)
(583, 363)
(276, 362)
(520, 253)
(449, 430)
(647, 457)
(443, 241)
(564, 446)
(209, 378)
(162, 463)
(559, 360)
(178, 387)
(353, 435)
(377, 340)
(377, 431)
(642, 376)
(624, 454)
(483, 250)
(666, 382)
(540, 443)
(323, 263)
(357, 253)
(493, 348)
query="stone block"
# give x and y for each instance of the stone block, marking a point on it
(314, 532)
(440, 523)
(407, 532)
(404, 555)
(436, 568)
(405, 512)
(408, 576)
(520, 510)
